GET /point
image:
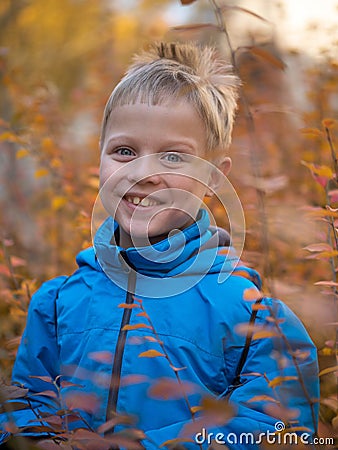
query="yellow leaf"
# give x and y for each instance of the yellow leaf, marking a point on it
(58, 203)
(311, 132)
(56, 163)
(21, 153)
(151, 354)
(280, 380)
(8, 136)
(195, 409)
(252, 294)
(47, 143)
(319, 171)
(328, 370)
(263, 334)
(39, 173)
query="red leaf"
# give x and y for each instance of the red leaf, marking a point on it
(86, 402)
(103, 357)
(118, 419)
(166, 388)
(42, 378)
(320, 247)
(133, 379)
(47, 393)
(4, 270)
(267, 56)
(65, 384)
(17, 262)
(187, 2)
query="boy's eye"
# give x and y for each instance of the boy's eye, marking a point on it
(124, 151)
(172, 157)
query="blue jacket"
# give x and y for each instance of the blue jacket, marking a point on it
(194, 299)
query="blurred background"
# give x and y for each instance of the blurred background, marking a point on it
(59, 61)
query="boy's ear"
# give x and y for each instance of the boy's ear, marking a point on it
(216, 176)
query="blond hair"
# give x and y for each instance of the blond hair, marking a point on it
(174, 71)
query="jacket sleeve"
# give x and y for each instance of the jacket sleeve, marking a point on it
(37, 356)
(279, 387)
(279, 382)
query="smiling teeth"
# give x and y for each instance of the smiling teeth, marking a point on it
(141, 202)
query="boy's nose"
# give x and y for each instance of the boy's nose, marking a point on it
(143, 171)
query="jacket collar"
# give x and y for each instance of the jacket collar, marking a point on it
(159, 259)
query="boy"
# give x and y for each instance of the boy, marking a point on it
(146, 326)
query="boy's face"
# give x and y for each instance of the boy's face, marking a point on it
(152, 174)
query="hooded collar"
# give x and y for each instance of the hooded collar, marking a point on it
(169, 267)
(159, 259)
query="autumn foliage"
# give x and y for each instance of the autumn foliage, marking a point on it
(56, 73)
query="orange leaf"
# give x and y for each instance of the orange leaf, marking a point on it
(263, 334)
(267, 56)
(262, 398)
(195, 409)
(328, 123)
(21, 153)
(142, 314)
(196, 26)
(258, 307)
(136, 326)
(41, 173)
(128, 306)
(313, 132)
(252, 294)
(277, 381)
(319, 171)
(172, 443)
(151, 354)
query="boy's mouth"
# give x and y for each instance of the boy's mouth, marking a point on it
(138, 201)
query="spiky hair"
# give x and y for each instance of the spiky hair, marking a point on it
(169, 72)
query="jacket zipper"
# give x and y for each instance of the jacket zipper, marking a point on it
(120, 346)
